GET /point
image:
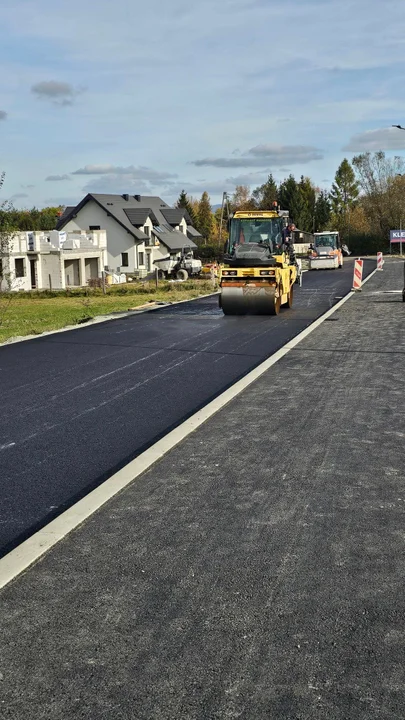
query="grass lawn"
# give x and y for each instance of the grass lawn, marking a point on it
(34, 313)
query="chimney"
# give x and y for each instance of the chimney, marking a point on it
(137, 197)
(126, 197)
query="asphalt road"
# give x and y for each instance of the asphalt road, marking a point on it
(77, 406)
(256, 571)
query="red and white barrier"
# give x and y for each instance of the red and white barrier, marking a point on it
(380, 261)
(358, 274)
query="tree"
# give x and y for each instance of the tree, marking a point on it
(344, 194)
(204, 220)
(290, 198)
(358, 221)
(242, 199)
(194, 203)
(34, 219)
(215, 237)
(345, 189)
(306, 221)
(322, 211)
(185, 202)
(265, 195)
(49, 216)
(383, 190)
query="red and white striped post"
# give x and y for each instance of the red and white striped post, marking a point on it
(380, 261)
(357, 275)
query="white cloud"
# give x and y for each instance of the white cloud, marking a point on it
(117, 184)
(57, 178)
(62, 201)
(264, 156)
(118, 179)
(257, 178)
(59, 93)
(375, 140)
(212, 187)
(136, 173)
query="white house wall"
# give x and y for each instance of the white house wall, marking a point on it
(10, 281)
(118, 239)
(49, 272)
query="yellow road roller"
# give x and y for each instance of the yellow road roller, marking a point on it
(260, 268)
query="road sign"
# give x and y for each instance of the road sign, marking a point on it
(397, 236)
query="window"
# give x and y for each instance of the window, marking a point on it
(19, 268)
(124, 260)
(94, 227)
(266, 231)
(327, 240)
(141, 259)
(146, 230)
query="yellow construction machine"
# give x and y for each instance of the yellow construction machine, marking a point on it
(260, 268)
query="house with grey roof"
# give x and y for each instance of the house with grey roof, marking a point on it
(140, 229)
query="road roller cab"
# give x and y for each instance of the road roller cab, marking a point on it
(326, 251)
(259, 264)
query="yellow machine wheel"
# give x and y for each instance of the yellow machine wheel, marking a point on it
(290, 300)
(277, 304)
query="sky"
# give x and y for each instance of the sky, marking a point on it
(154, 97)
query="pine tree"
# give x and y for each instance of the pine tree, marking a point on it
(345, 189)
(204, 219)
(184, 202)
(344, 193)
(290, 198)
(322, 211)
(265, 195)
(308, 194)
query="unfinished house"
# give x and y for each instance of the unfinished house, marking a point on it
(52, 260)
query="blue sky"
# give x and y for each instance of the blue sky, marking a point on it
(152, 97)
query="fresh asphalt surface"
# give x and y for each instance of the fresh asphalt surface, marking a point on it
(256, 571)
(79, 405)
